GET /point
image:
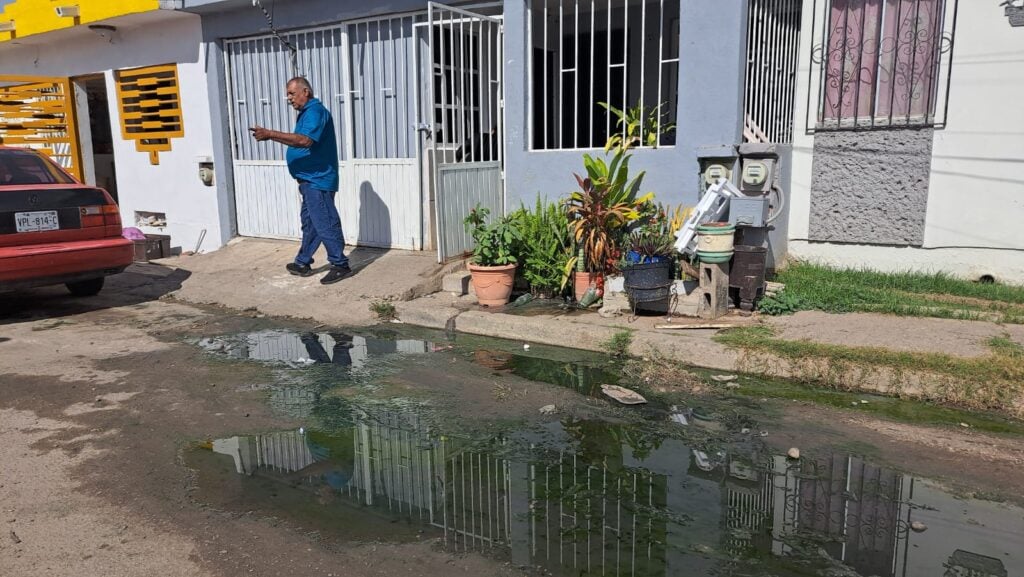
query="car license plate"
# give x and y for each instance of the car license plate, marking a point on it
(36, 221)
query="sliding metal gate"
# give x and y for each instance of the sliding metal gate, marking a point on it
(364, 73)
(467, 110)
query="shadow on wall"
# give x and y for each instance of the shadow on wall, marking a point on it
(374, 218)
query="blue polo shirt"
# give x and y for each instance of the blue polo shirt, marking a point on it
(318, 164)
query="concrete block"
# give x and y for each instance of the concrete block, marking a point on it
(456, 283)
(714, 290)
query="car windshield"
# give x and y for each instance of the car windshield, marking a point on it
(18, 167)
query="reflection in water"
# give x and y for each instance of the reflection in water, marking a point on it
(309, 348)
(610, 501)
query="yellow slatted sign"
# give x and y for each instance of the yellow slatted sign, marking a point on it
(150, 106)
(37, 112)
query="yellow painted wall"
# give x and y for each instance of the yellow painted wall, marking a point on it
(39, 16)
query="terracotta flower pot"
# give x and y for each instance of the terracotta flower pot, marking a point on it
(493, 284)
(582, 280)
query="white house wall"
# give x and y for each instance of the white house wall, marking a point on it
(977, 177)
(975, 185)
(173, 186)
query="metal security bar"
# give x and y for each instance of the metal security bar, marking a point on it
(39, 113)
(463, 120)
(466, 85)
(584, 55)
(881, 63)
(773, 42)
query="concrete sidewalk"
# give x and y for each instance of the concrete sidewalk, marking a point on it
(249, 274)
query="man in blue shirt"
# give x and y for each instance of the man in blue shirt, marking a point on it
(313, 161)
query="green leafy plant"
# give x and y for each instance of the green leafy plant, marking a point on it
(595, 222)
(384, 310)
(783, 303)
(635, 127)
(497, 242)
(618, 344)
(547, 245)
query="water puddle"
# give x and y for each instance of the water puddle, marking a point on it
(593, 498)
(304, 349)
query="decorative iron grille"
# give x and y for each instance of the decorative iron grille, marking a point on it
(881, 63)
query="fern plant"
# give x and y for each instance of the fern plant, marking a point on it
(547, 246)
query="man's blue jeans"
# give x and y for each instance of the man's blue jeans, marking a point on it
(320, 224)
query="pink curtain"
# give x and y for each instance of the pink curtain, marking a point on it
(908, 61)
(880, 58)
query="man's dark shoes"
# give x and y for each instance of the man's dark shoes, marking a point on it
(298, 269)
(336, 274)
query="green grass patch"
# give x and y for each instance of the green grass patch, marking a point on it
(817, 287)
(991, 382)
(902, 410)
(618, 344)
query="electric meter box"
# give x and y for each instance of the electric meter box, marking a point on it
(750, 211)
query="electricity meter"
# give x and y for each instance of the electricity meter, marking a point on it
(755, 174)
(715, 172)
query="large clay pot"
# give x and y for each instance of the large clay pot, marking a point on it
(493, 284)
(582, 280)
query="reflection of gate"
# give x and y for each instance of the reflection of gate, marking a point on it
(466, 106)
(40, 113)
(363, 73)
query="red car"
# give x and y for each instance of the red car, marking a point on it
(54, 229)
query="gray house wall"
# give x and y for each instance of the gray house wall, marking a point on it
(711, 73)
(871, 187)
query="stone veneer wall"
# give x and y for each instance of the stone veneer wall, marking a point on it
(870, 187)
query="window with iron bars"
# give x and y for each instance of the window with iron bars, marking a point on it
(589, 56)
(884, 63)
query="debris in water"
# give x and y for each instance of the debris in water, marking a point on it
(702, 461)
(526, 347)
(764, 433)
(745, 431)
(863, 401)
(623, 395)
(793, 453)
(701, 414)
(732, 385)
(302, 430)
(547, 409)
(965, 425)
(723, 378)
(681, 417)
(918, 527)
(522, 300)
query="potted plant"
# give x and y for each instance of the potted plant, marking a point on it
(546, 248)
(600, 214)
(493, 264)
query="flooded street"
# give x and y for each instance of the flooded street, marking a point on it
(205, 442)
(656, 496)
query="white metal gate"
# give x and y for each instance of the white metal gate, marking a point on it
(466, 108)
(364, 73)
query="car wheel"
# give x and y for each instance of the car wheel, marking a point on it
(85, 288)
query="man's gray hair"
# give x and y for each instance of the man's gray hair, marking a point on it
(301, 81)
